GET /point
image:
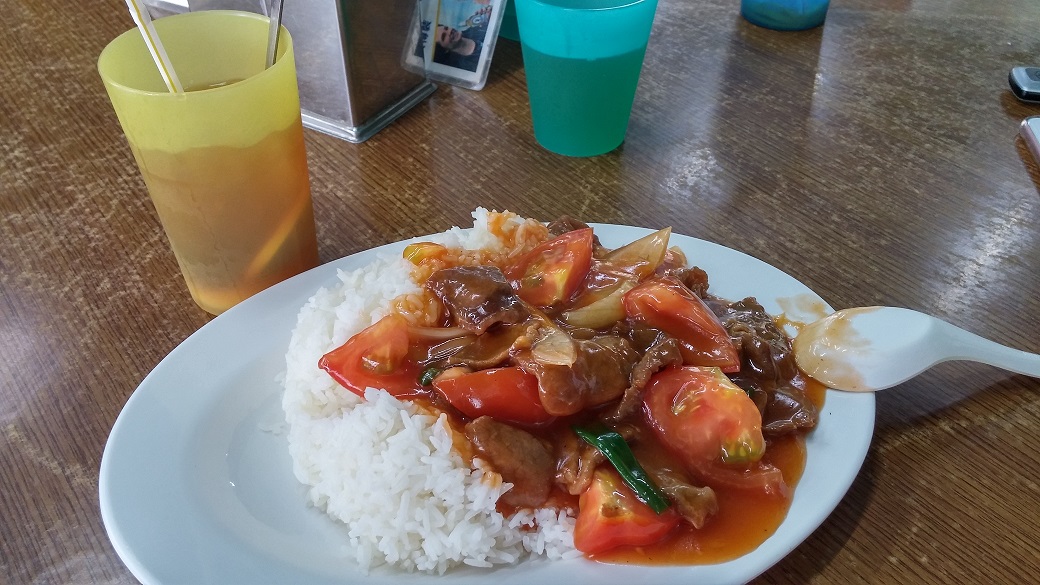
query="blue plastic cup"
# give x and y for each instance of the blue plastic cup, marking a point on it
(785, 14)
(582, 59)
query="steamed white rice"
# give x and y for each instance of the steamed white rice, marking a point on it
(386, 468)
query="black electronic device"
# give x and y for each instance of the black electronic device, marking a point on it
(1025, 83)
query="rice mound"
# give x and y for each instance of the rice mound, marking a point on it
(388, 468)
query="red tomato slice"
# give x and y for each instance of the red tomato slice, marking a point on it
(553, 271)
(712, 425)
(610, 515)
(376, 357)
(664, 303)
(507, 394)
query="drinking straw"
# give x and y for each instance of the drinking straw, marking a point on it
(155, 46)
(275, 16)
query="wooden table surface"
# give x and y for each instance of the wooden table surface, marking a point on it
(875, 159)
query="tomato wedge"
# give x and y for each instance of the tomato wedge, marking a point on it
(507, 394)
(553, 271)
(712, 425)
(705, 416)
(664, 303)
(610, 515)
(376, 357)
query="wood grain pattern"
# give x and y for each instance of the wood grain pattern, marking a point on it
(875, 159)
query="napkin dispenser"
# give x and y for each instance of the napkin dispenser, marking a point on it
(349, 61)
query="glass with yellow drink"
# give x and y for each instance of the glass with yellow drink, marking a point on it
(224, 161)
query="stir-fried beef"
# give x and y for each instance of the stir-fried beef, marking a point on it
(493, 348)
(576, 460)
(597, 371)
(569, 224)
(788, 409)
(695, 279)
(767, 367)
(695, 504)
(766, 349)
(565, 224)
(477, 297)
(663, 351)
(520, 457)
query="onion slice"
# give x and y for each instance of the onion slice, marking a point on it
(641, 257)
(602, 312)
(436, 333)
(556, 348)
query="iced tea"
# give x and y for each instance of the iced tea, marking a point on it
(224, 161)
(238, 219)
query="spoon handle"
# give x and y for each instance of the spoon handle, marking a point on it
(964, 345)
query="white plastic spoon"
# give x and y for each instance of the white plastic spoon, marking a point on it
(872, 348)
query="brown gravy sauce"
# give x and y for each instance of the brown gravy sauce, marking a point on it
(745, 518)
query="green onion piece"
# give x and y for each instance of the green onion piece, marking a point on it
(616, 450)
(427, 375)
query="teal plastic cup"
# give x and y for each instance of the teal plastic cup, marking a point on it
(509, 29)
(785, 14)
(582, 59)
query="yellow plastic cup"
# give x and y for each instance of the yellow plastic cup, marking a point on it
(224, 162)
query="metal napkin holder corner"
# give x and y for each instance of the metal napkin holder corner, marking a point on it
(349, 62)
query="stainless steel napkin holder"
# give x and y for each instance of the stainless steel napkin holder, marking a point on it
(348, 61)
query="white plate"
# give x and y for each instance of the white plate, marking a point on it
(196, 488)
